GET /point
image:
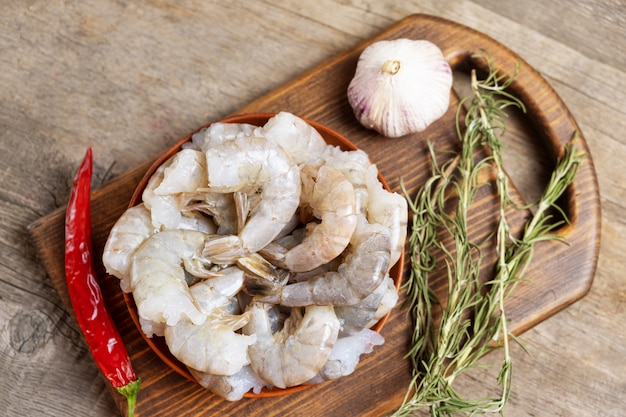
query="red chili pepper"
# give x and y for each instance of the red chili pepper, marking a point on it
(103, 339)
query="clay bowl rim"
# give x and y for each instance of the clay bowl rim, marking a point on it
(156, 343)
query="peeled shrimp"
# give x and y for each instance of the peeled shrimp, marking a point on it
(357, 317)
(217, 289)
(295, 354)
(186, 172)
(389, 209)
(362, 271)
(157, 276)
(389, 300)
(354, 165)
(380, 205)
(218, 133)
(132, 228)
(346, 354)
(302, 142)
(244, 165)
(165, 193)
(231, 387)
(330, 197)
(213, 346)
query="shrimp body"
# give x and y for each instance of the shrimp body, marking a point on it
(389, 300)
(231, 387)
(247, 164)
(357, 317)
(346, 354)
(185, 172)
(157, 277)
(330, 197)
(165, 194)
(296, 353)
(218, 289)
(390, 210)
(213, 346)
(354, 165)
(362, 271)
(378, 204)
(217, 134)
(132, 228)
(295, 136)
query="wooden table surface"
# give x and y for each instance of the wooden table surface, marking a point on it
(130, 78)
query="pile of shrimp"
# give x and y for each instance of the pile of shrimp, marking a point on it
(262, 255)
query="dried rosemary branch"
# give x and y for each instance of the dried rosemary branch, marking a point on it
(473, 319)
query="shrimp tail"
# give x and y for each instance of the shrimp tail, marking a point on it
(261, 278)
(223, 249)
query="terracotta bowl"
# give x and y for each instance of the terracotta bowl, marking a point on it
(158, 344)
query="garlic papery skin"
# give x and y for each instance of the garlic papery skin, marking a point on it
(400, 86)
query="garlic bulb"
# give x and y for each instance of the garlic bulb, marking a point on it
(400, 86)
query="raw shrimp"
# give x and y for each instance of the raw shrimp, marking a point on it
(132, 228)
(346, 354)
(389, 300)
(214, 346)
(389, 209)
(295, 354)
(165, 194)
(218, 133)
(362, 271)
(295, 136)
(216, 290)
(231, 387)
(186, 172)
(357, 317)
(354, 165)
(330, 197)
(380, 205)
(247, 164)
(157, 276)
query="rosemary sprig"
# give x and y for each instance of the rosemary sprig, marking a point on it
(472, 321)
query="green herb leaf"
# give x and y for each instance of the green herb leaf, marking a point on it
(472, 321)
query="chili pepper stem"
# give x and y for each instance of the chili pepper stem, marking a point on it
(130, 391)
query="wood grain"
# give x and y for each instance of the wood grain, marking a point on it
(319, 95)
(130, 78)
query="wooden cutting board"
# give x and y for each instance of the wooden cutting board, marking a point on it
(558, 276)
